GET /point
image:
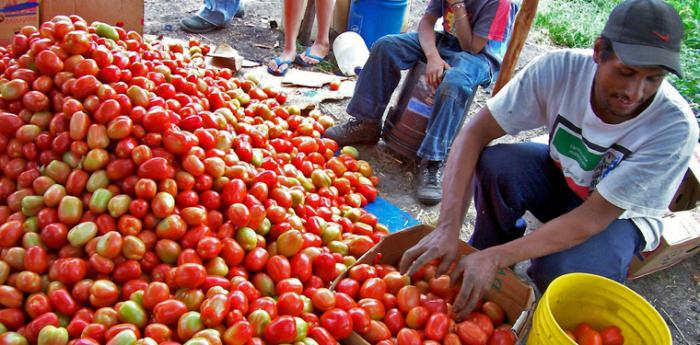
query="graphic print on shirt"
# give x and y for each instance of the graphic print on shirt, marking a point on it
(589, 163)
(448, 21)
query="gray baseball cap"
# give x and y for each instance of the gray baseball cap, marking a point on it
(646, 33)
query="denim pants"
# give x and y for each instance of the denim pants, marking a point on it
(514, 178)
(219, 12)
(382, 72)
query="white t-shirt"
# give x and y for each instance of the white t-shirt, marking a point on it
(637, 165)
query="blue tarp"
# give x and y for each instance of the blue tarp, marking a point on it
(391, 216)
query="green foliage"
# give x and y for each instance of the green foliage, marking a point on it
(577, 23)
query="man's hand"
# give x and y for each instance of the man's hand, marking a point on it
(435, 69)
(477, 271)
(439, 244)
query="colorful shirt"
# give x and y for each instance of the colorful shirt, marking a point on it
(636, 165)
(490, 19)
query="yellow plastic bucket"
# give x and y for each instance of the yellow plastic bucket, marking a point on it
(581, 297)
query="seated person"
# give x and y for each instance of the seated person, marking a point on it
(467, 54)
(313, 55)
(620, 139)
(215, 14)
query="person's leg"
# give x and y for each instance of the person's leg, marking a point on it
(511, 179)
(292, 20)
(379, 77)
(214, 14)
(321, 46)
(459, 81)
(607, 254)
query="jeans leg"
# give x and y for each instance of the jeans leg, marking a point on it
(219, 12)
(465, 73)
(511, 179)
(381, 74)
(607, 254)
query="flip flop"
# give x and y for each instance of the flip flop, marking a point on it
(307, 52)
(280, 71)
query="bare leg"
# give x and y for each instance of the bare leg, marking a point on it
(292, 20)
(321, 46)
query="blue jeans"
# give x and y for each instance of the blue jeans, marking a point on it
(513, 178)
(219, 12)
(382, 73)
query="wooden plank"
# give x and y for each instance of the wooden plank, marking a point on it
(523, 23)
(307, 23)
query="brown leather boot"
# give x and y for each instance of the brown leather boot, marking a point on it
(355, 132)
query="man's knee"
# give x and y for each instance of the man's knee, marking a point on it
(456, 84)
(545, 269)
(494, 159)
(385, 43)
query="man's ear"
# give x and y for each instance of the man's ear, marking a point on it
(596, 50)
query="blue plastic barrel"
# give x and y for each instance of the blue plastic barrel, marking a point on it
(373, 19)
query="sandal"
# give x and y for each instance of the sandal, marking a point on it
(307, 53)
(282, 67)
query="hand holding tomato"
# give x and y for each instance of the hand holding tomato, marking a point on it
(442, 243)
(477, 271)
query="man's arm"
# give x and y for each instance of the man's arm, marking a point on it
(456, 195)
(478, 270)
(435, 66)
(468, 41)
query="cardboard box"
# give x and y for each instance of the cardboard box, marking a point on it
(516, 297)
(680, 240)
(681, 235)
(14, 15)
(128, 12)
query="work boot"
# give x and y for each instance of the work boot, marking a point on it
(355, 132)
(429, 182)
(198, 25)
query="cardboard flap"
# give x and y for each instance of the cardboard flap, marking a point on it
(681, 226)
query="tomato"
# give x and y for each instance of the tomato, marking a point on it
(483, 321)
(190, 275)
(611, 335)
(437, 326)
(337, 322)
(281, 330)
(377, 331)
(373, 288)
(494, 312)
(502, 337)
(394, 320)
(582, 328)
(408, 336)
(589, 337)
(169, 311)
(471, 334)
(323, 299)
(290, 303)
(408, 298)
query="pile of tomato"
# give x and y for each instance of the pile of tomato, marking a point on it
(416, 310)
(585, 334)
(146, 198)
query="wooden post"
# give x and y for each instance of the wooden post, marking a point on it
(307, 23)
(521, 28)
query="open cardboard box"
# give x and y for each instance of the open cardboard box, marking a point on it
(681, 235)
(516, 297)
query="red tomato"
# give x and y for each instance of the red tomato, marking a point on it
(502, 337)
(471, 334)
(612, 335)
(337, 322)
(589, 337)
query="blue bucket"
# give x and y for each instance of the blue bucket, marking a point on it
(373, 19)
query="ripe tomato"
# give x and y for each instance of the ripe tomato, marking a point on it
(611, 335)
(589, 337)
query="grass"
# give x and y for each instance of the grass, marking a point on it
(577, 23)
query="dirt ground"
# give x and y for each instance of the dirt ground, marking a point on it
(674, 292)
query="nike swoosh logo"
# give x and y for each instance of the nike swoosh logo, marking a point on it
(662, 37)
